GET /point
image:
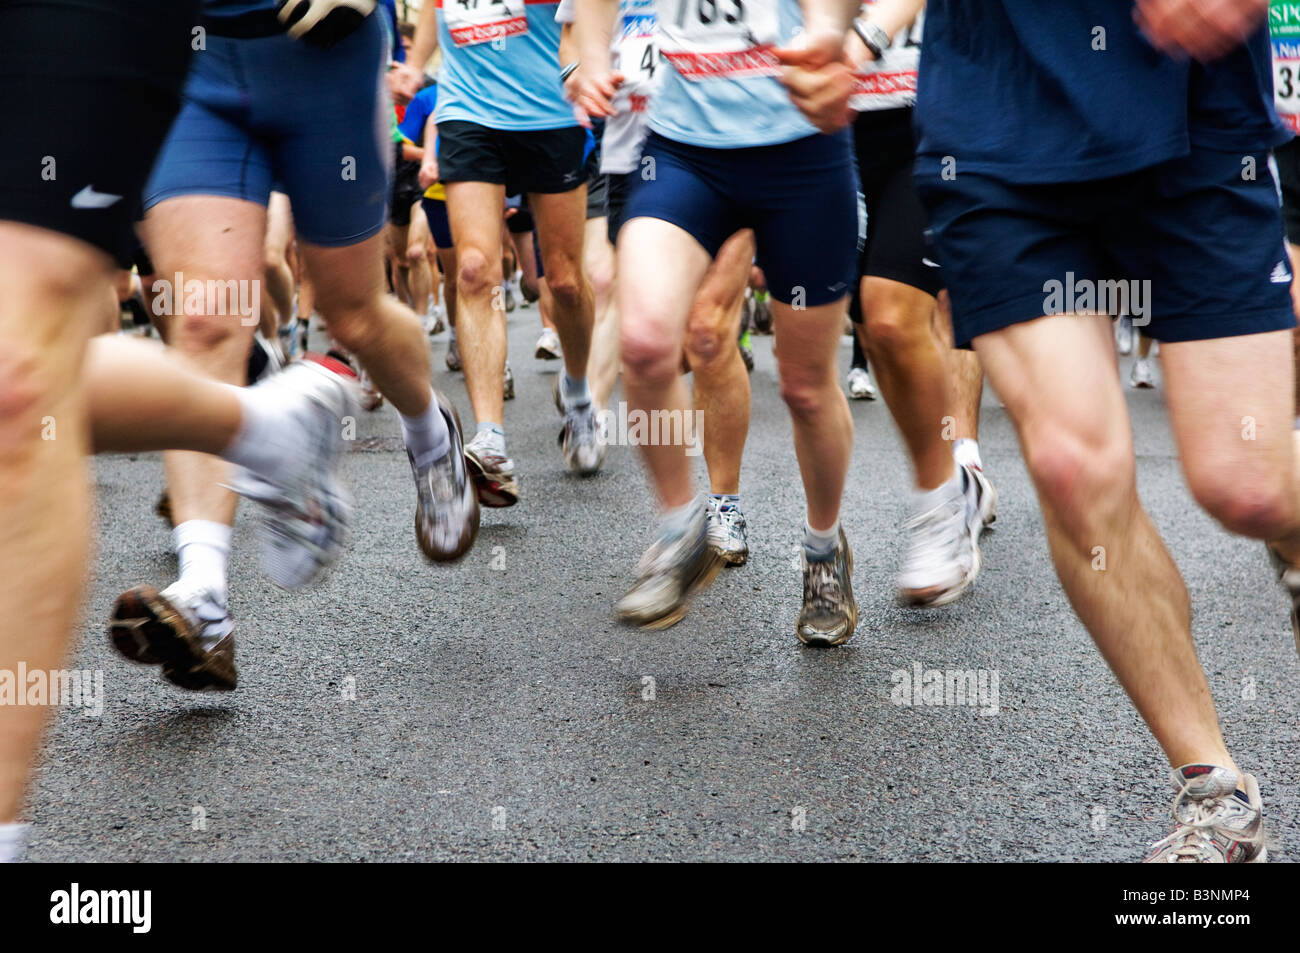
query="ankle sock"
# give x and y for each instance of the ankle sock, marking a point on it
(493, 435)
(967, 453)
(426, 436)
(203, 549)
(818, 544)
(575, 392)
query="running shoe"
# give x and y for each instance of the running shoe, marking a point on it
(1124, 335)
(671, 571)
(1289, 576)
(746, 351)
(446, 513)
(727, 532)
(830, 613)
(493, 473)
(548, 346)
(508, 293)
(453, 355)
(860, 385)
(185, 629)
(943, 554)
(1142, 375)
(762, 314)
(982, 510)
(306, 515)
(371, 399)
(1214, 822)
(508, 387)
(581, 441)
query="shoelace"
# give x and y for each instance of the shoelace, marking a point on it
(1192, 838)
(581, 422)
(934, 536)
(822, 587)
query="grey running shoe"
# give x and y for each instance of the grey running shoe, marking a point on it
(1216, 823)
(1124, 335)
(1142, 376)
(668, 574)
(446, 513)
(860, 384)
(508, 389)
(727, 533)
(830, 613)
(983, 508)
(186, 630)
(453, 355)
(306, 515)
(1289, 576)
(493, 473)
(943, 554)
(581, 441)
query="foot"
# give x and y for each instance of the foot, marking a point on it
(860, 384)
(453, 355)
(1142, 375)
(1217, 816)
(509, 296)
(943, 554)
(1124, 335)
(446, 513)
(727, 532)
(668, 574)
(186, 630)
(581, 441)
(508, 387)
(830, 613)
(762, 314)
(548, 346)
(306, 514)
(746, 351)
(493, 473)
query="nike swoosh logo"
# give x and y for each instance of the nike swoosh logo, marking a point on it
(89, 198)
(929, 264)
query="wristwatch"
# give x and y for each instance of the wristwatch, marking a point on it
(873, 37)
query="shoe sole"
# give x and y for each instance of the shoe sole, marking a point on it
(546, 354)
(934, 598)
(492, 491)
(731, 558)
(703, 579)
(467, 541)
(147, 630)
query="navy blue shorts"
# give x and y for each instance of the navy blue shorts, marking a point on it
(435, 210)
(272, 109)
(799, 197)
(1194, 246)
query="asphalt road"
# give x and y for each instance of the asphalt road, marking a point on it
(500, 712)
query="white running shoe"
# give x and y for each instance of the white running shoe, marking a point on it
(1124, 335)
(1142, 375)
(307, 514)
(860, 384)
(943, 553)
(727, 532)
(548, 346)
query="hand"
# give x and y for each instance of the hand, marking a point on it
(428, 172)
(819, 80)
(594, 94)
(1202, 29)
(405, 81)
(856, 52)
(396, 90)
(571, 92)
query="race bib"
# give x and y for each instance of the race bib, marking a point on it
(471, 22)
(720, 39)
(636, 46)
(1284, 25)
(890, 82)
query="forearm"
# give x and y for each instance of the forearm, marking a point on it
(568, 45)
(828, 16)
(426, 37)
(892, 15)
(594, 31)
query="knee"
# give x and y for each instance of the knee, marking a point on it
(706, 340)
(1078, 471)
(567, 286)
(273, 260)
(27, 394)
(889, 325)
(475, 273)
(650, 353)
(805, 390)
(1255, 504)
(416, 252)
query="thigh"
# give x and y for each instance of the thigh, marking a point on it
(724, 285)
(808, 340)
(474, 213)
(279, 225)
(1230, 404)
(660, 269)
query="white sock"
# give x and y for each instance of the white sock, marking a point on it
(203, 548)
(681, 520)
(268, 440)
(426, 436)
(820, 543)
(12, 838)
(925, 500)
(493, 436)
(575, 392)
(967, 453)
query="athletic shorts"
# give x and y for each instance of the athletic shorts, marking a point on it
(273, 109)
(799, 198)
(1288, 174)
(595, 188)
(87, 91)
(545, 160)
(406, 188)
(522, 221)
(896, 246)
(435, 210)
(618, 186)
(1192, 246)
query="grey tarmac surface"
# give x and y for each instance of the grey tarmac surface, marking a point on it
(501, 713)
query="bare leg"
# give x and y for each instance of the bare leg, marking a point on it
(476, 225)
(560, 226)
